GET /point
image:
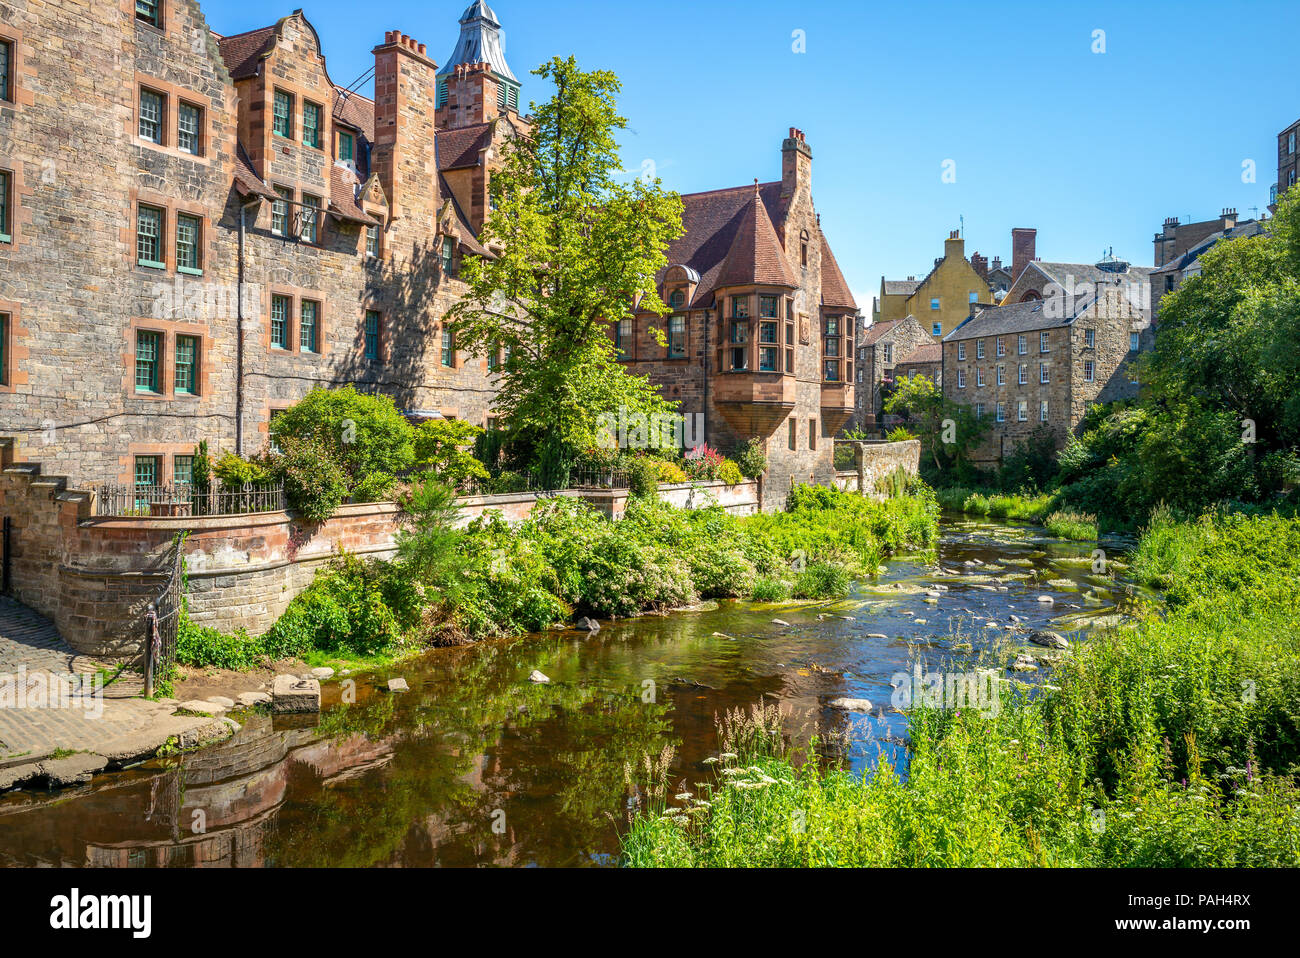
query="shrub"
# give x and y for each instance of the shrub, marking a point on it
(899, 434)
(234, 471)
(670, 472)
(365, 433)
(642, 476)
(822, 580)
(1072, 525)
(349, 609)
(440, 445)
(428, 544)
(770, 590)
(314, 483)
(703, 462)
(752, 459)
(375, 487)
(729, 472)
(621, 577)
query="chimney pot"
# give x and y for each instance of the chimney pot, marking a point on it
(422, 48)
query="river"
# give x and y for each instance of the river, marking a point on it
(476, 765)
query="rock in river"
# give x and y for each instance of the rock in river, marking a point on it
(850, 705)
(587, 625)
(1051, 640)
(538, 677)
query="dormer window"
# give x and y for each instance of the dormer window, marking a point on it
(676, 299)
(347, 147)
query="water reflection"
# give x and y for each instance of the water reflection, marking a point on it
(478, 766)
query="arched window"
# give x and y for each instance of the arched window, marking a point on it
(1030, 296)
(676, 299)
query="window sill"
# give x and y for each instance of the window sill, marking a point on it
(188, 271)
(7, 239)
(146, 264)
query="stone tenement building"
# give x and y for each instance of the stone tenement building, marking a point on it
(1179, 249)
(1288, 163)
(884, 347)
(1052, 351)
(198, 229)
(760, 338)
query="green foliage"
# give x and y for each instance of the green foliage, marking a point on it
(822, 580)
(314, 482)
(1033, 462)
(1072, 525)
(670, 472)
(949, 431)
(752, 459)
(770, 590)
(440, 446)
(578, 243)
(899, 434)
(729, 472)
(1144, 729)
(364, 433)
(428, 544)
(642, 476)
(201, 469)
(235, 472)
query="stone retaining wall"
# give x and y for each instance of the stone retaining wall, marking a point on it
(95, 576)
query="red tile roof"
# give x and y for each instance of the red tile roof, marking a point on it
(461, 147)
(876, 330)
(356, 111)
(756, 256)
(244, 52)
(468, 241)
(343, 197)
(246, 179)
(835, 291)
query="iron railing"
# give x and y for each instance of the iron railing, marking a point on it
(123, 499)
(162, 621)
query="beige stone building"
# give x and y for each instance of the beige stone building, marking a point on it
(1044, 360)
(941, 299)
(885, 346)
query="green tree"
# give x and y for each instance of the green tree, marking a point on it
(440, 446)
(577, 246)
(948, 430)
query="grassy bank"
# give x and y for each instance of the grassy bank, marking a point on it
(1172, 743)
(567, 560)
(1041, 509)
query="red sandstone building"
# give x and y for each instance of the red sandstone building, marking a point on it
(760, 338)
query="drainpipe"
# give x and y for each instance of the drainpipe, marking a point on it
(239, 335)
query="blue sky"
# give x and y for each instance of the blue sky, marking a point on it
(1093, 149)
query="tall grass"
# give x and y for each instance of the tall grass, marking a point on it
(1065, 524)
(1172, 743)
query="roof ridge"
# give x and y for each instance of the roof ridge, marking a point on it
(730, 189)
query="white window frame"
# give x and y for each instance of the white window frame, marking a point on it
(1044, 376)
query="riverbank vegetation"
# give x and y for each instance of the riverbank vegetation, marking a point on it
(1217, 424)
(1172, 743)
(448, 585)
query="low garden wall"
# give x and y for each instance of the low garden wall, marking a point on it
(94, 576)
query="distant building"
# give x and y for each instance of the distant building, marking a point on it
(1287, 142)
(1171, 270)
(882, 348)
(940, 300)
(925, 360)
(1044, 359)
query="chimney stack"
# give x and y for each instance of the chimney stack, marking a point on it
(981, 265)
(1023, 247)
(796, 168)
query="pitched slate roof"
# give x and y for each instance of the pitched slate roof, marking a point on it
(756, 256)
(468, 241)
(1016, 318)
(461, 147)
(1089, 273)
(710, 221)
(835, 291)
(1181, 263)
(927, 353)
(876, 331)
(244, 52)
(901, 287)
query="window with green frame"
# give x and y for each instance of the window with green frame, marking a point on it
(280, 211)
(187, 364)
(6, 70)
(676, 337)
(310, 219)
(740, 307)
(6, 201)
(768, 305)
(183, 470)
(148, 237)
(311, 124)
(4, 349)
(189, 129)
(152, 111)
(448, 253)
(149, 12)
(147, 348)
(347, 146)
(448, 348)
(282, 120)
(494, 359)
(308, 318)
(372, 242)
(280, 322)
(189, 244)
(372, 334)
(148, 474)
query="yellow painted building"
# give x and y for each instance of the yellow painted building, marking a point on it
(940, 301)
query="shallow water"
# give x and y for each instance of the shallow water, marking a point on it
(478, 766)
